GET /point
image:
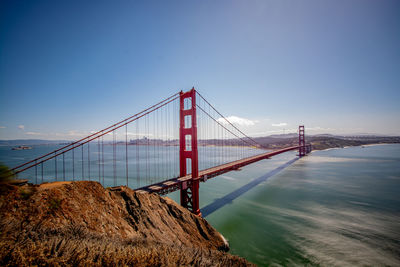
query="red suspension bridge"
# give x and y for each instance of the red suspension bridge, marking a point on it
(172, 145)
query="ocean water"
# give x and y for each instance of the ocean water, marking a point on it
(338, 207)
(131, 165)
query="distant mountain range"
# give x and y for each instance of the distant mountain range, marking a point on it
(289, 135)
(359, 135)
(320, 141)
(325, 141)
(30, 142)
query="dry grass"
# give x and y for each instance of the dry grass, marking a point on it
(76, 247)
(83, 224)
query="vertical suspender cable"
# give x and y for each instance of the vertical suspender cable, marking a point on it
(126, 153)
(63, 166)
(165, 147)
(167, 143)
(102, 158)
(114, 159)
(55, 166)
(73, 164)
(36, 181)
(137, 154)
(147, 148)
(82, 163)
(154, 148)
(98, 158)
(88, 153)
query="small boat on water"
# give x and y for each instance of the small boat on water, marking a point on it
(21, 148)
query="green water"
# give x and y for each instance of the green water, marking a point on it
(336, 207)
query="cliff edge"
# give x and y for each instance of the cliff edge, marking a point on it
(82, 223)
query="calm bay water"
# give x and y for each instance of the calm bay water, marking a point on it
(110, 165)
(338, 207)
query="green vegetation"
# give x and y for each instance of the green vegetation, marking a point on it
(5, 173)
(26, 192)
(54, 204)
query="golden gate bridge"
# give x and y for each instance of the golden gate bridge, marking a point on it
(179, 142)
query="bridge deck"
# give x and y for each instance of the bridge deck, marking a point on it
(174, 184)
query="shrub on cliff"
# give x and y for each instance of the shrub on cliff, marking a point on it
(5, 173)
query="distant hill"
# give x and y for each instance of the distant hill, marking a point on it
(30, 142)
(320, 142)
(289, 135)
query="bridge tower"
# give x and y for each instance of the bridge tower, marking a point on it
(302, 141)
(188, 151)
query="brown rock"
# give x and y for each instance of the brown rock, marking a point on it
(80, 223)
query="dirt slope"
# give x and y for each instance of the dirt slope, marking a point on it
(80, 223)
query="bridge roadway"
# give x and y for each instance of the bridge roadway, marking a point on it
(174, 184)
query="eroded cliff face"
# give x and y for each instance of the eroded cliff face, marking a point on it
(78, 223)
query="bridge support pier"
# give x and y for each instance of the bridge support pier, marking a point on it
(308, 148)
(188, 151)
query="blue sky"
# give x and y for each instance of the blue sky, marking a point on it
(78, 66)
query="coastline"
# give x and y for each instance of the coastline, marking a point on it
(366, 145)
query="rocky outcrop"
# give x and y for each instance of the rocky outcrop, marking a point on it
(81, 223)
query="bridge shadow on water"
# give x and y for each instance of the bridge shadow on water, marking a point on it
(220, 202)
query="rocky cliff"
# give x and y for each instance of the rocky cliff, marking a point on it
(81, 223)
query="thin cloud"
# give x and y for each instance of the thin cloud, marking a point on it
(317, 128)
(238, 121)
(3, 127)
(75, 133)
(266, 133)
(21, 127)
(33, 133)
(281, 124)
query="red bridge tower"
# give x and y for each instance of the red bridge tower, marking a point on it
(188, 151)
